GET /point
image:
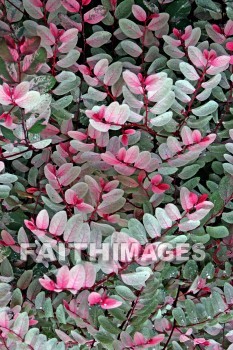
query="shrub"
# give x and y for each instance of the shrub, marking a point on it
(116, 174)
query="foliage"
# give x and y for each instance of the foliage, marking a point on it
(116, 130)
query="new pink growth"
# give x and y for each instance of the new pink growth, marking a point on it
(157, 185)
(19, 95)
(102, 300)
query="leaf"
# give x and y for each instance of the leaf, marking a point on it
(228, 217)
(124, 9)
(109, 326)
(7, 178)
(164, 104)
(131, 48)
(95, 15)
(130, 29)
(163, 219)
(208, 271)
(37, 128)
(189, 171)
(21, 324)
(162, 119)
(226, 187)
(210, 6)
(32, 10)
(189, 71)
(206, 109)
(136, 279)
(5, 52)
(61, 114)
(58, 223)
(190, 270)
(69, 59)
(42, 83)
(98, 39)
(113, 73)
(178, 11)
(32, 62)
(217, 231)
(41, 144)
(137, 230)
(191, 311)
(60, 314)
(125, 292)
(151, 225)
(25, 279)
(179, 316)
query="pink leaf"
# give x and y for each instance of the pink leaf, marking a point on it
(197, 57)
(47, 283)
(155, 340)
(228, 30)
(90, 274)
(63, 277)
(139, 13)
(94, 298)
(95, 15)
(109, 303)
(58, 223)
(42, 220)
(69, 35)
(133, 82)
(139, 339)
(187, 199)
(71, 5)
(77, 278)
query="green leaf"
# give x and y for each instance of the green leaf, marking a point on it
(124, 9)
(5, 52)
(108, 325)
(48, 308)
(4, 73)
(206, 109)
(228, 292)
(217, 302)
(130, 29)
(131, 48)
(178, 10)
(125, 292)
(151, 225)
(60, 314)
(37, 127)
(42, 83)
(191, 311)
(136, 278)
(190, 270)
(228, 217)
(226, 187)
(61, 114)
(179, 316)
(7, 178)
(99, 38)
(35, 60)
(7, 133)
(208, 5)
(208, 271)
(25, 279)
(137, 231)
(217, 231)
(189, 171)
(188, 71)
(113, 73)
(17, 298)
(104, 338)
